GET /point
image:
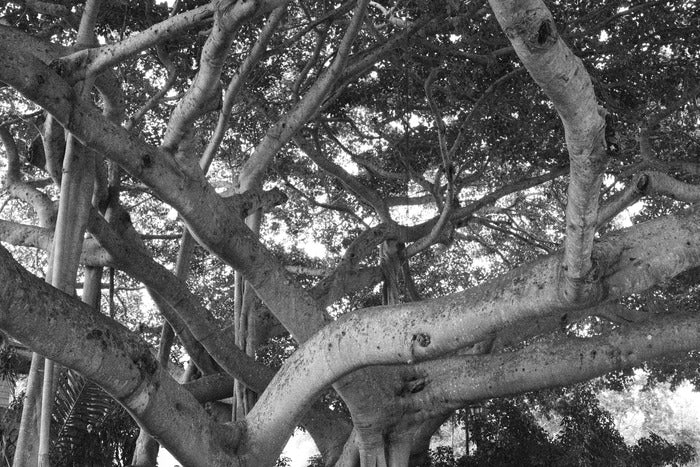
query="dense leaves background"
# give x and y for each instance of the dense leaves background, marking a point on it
(642, 57)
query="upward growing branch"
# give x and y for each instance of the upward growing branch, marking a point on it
(281, 132)
(206, 85)
(561, 75)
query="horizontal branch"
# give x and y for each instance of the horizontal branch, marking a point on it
(42, 238)
(90, 62)
(457, 381)
(646, 184)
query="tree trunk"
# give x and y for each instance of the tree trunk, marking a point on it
(27, 450)
(246, 329)
(73, 211)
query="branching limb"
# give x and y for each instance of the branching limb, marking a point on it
(205, 92)
(281, 132)
(445, 204)
(455, 382)
(522, 238)
(155, 98)
(236, 84)
(334, 207)
(531, 30)
(39, 201)
(194, 198)
(364, 193)
(428, 329)
(460, 216)
(73, 334)
(647, 184)
(92, 61)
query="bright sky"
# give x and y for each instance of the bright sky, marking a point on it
(298, 449)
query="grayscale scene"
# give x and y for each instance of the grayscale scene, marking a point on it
(349, 233)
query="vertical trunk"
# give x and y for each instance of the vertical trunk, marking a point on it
(27, 445)
(373, 456)
(238, 407)
(73, 211)
(390, 264)
(387, 451)
(45, 416)
(246, 329)
(27, 448)
(398, 453)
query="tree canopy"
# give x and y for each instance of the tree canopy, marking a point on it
(356, 217)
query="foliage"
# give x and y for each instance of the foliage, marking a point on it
(9, 363)
(9, 427)
(90, 428)
(656, 451)
(507, 432)
(316, 461)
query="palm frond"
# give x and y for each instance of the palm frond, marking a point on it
(83, 416)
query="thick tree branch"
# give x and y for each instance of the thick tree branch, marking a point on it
(42, 238)
(561, 75)
(209, 217)
(39, 201)
(457, 381)
(62, 328)
(647, 184)
(184, 309)
(206, 87)
(92, 61)
(236, 84)
(628, 261)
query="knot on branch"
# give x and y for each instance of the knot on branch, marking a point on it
(423, 340)
(535, 27)
(642, 183)
(72, 68)
(412, 385)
